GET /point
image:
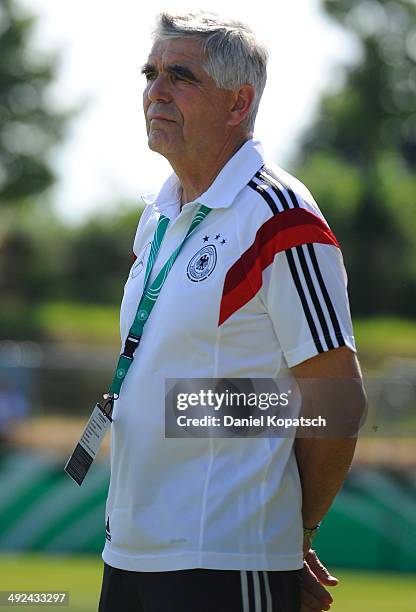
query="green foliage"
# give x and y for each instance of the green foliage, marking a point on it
(99, 258)
(83, 323)
(41, 259)
(30, 129)
(359, 156)
(339, 196)
(378, 338)
(375, 109)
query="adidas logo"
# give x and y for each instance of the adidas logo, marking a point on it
(107, 529)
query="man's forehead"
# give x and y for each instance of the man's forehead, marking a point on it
(176, 50)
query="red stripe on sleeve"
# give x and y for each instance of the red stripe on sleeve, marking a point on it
(283, 231)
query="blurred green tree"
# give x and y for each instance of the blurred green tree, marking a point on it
(359, 156)
(100, 255)
(29, 128)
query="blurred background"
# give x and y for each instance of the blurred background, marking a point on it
(339, 112)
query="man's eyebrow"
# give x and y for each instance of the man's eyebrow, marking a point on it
(182, 71)
(176, 69)
(147, 68)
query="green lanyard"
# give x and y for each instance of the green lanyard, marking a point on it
(149, 297)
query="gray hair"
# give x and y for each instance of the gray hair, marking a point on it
(234, 57)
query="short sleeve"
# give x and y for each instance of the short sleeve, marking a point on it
(305, 291)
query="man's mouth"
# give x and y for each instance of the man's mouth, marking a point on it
(160, 118)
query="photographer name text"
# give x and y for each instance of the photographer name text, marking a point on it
(227, 420)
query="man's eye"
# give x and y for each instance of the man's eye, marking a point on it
(176, 77)
(151, 76)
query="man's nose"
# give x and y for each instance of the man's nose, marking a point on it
(158, 89)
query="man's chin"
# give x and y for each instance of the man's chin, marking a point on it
(157, 144)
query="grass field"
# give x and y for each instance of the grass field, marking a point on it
(81, 576)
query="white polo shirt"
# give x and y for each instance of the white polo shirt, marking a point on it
(258, 288)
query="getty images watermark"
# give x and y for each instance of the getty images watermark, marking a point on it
(262, 407)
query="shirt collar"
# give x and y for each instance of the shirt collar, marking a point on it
(232, 178)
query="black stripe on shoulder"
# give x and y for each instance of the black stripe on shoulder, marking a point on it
(314, 296)
(250, 588)
(328, 302)
(263, 177)
(302, 296)
(263, 595)
(290, 191)
(266, 196)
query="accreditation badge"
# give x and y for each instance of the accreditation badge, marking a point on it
(89, 444)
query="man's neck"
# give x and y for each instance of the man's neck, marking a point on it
(197, 177)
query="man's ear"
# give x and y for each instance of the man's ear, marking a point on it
(242, 102)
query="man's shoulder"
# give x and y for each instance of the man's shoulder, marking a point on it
(274, 190)
(287, 179)
(296, 193)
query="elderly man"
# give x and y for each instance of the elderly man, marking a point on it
(237, 276)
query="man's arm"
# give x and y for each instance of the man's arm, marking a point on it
(324, 462)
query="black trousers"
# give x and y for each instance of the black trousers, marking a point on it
(200, 590)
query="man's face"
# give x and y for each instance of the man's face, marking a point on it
(186, 113)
